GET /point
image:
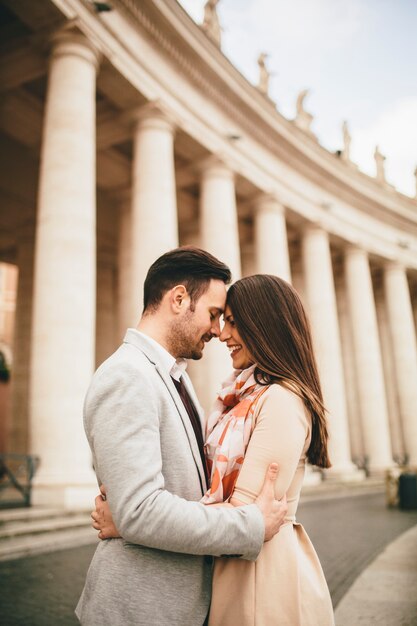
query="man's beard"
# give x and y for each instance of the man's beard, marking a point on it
(183, 338)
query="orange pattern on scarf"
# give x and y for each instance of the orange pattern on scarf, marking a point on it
(229, 428)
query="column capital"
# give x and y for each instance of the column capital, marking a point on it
(216, 165)
(352, 248)
(313, 227)
(71, 42)
(153, 115)
(393, 264)
(268, 203)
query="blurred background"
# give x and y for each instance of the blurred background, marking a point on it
(278, 135)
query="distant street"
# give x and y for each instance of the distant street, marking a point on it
(347, 534)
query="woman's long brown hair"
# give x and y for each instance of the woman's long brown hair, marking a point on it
(271, 320)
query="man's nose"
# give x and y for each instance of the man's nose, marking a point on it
(215, 328)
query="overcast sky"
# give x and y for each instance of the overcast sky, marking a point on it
(357, 57)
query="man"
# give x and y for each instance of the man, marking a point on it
(142, 421)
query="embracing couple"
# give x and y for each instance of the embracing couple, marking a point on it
(199, 522)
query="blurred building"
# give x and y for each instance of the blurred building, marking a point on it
(124, 132)
(8, 288)
(8, 284)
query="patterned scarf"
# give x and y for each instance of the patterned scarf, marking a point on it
(229, 428)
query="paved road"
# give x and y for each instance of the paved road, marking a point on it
(347, 533)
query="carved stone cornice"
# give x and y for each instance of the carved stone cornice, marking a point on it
(195, 58)
(198, 58)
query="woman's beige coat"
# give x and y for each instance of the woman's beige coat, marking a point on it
(285, 586)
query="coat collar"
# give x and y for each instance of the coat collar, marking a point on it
(156, 353)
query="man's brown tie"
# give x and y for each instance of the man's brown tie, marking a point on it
(194, 419)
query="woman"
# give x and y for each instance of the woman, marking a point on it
(271, 409)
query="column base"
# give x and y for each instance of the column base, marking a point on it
(312, 477)
(348, 474)
(71, 497)
(380, 471)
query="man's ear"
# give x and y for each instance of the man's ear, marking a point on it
(179, 298)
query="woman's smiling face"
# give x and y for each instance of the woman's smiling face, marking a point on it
(241, 358)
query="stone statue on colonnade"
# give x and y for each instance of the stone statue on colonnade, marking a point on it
(264, 74)
(380, 165)
(347, 138)
(303, 119)
(211, 24)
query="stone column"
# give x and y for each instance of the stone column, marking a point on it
(218, 214)
(153, 216)
(403, 335)
(297, 272)
(349, 371)
(220, 236)
(413, 294)
(128, 304)
(271, 243)
(65, 278)
(396, 431)
(368, 361)
(19, 433)
(415, 313)
(312, 476)
(321, 301)
(247, 256)
(106, 335)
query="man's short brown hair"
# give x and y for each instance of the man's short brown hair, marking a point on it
(189, 266)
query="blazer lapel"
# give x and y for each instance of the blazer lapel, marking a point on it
(186, 423)
(140, 341)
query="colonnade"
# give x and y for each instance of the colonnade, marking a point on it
(62, 341)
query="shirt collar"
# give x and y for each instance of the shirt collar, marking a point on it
(178, 369)
(172, 366)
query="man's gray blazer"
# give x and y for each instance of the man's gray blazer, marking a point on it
(145, 452)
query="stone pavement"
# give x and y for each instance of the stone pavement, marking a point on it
(386, 591)
(349, 532)
(348, 529)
